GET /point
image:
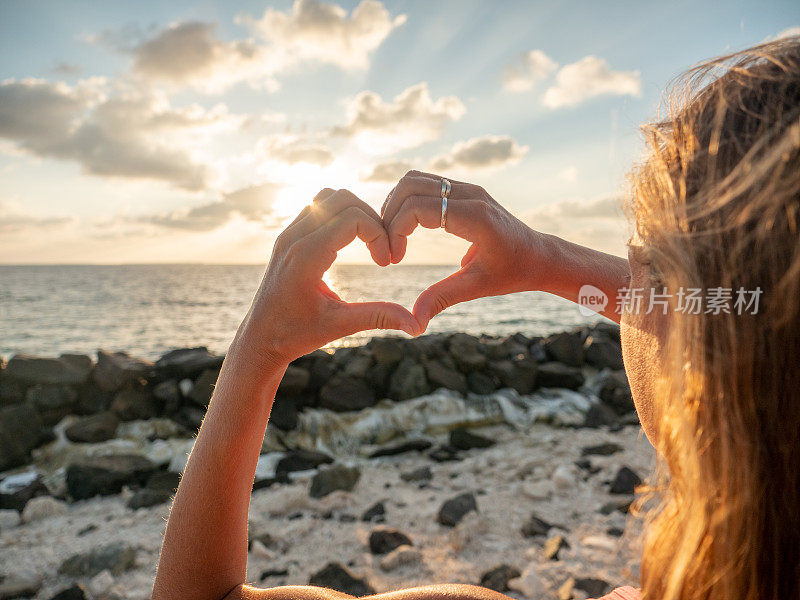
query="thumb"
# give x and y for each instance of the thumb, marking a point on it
(361, 316)
(458, 287)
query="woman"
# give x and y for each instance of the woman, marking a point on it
(716, 205)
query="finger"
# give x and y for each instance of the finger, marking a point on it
(386, 202)
(347, 225)
(322, 194)
(328, 207)
(461, 286)
(362, 316)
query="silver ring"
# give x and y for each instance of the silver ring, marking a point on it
(446, 187)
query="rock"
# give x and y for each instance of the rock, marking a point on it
(615, 391)
(563, 477)
(399, 557)
(92, 400)
(603, 353)
(621, 506)
(536, 526)
(204, 386)
(188, 362)
(160, 488)
(592, 586)
(480, 383)
(104, 475)
(557, 375)
(116, 558)
(387, 350)
(412, 445)
(19, 587)
(134, 403)
(453, 510)
(294, 380)
(518, 374)
(418, 474)
(359, 365)
(190, 417)
(69, 369)
(497, 578)
(168, 393)
(444, 453)
(376, 512)
(11, 392)
(605, 449)
(322, 369)
(507, 347)
(383, 540)
(93, 429)
(284, 413)
(343, 394)
(566, 347)
(443, 376)
(600, 415)
(463, 439)
(20, 432)
(52, 402)
(565, 591)
(408, 381)
(553, 546)
(43, 507)
(625, 481)
(301, 460)
(8, 518)
(74, 592)
(17, 489)
(529, 584)
(115, 370)
(465, 350)
(100, 585)
(336, 577)
(335, 477)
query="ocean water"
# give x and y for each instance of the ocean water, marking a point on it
(148, 310)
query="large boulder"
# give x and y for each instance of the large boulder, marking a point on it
(52, 402)
(333, 478)
(203, 387)
(566, 347)
(93, 429)
(11, 392)
(294, 380)
(387, 350)
(466, 351)
(116, 370)
(284, 413)
(134, 403)
(558, 375)
(106, 475)
(615, 392)
(518, 373)
(188, 362)
(408, 381)
(343, 393)
(20, 432)
(603, 353)
(69, 369)
(442, 373)
(159, 489)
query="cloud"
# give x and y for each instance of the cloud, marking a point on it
(487, 152)
(129, 134)
(251, 203)
(409, 120)
(589, 77)
(788, 32)
(323, 32)
(532, 66)
(14, 220)
(568, 174)
(292, 149)
(388, 172)
(67, 68)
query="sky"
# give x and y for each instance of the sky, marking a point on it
(193, 132)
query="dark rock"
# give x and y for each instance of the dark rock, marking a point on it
(441, 375)
(603, 353)
(383, 540)
(17, 489)
(52, 402)
(374, 513)
(359, 365)
(536, 526)
(615, 531)
(517, 373)
(607, 330)
(553, 546)
(190, 417)
(69, 369)
(335, 477)
(592, 586)
(204, 387)
(497, 579)
(408, 381)
(93, 429)
(74, 592)
(343, 394)
(387, 350)
(419, 474)
(294, 381)
(20, 432)
(507, 347)
(585, 464)
(557, 375)
(168, 393)
(537, 351)
(115, 370)
(134, 402)
(453, 510)
(412, 445)
(92, 400)
(117, 558)
(284, 413)
(301, 460)
(444, 453)
(605, 449)
(336, 577)
(599, 415)
(322, 369)
(566, 347)
(105, 475)
(622, 506)
(19, 587)
(159, 489)
(465, 350)
(480, 383)
(625, 481)
(615, 391)
(274, 573)
(188, 362)
(11, 392)
(464, 439)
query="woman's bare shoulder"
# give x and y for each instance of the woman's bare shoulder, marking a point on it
(445, 591)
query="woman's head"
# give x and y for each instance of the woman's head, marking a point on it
(716, 205)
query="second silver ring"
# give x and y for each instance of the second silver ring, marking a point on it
(446, 188)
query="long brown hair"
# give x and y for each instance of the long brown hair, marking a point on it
(717, 204)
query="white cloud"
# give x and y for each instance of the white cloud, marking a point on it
(130, 134)
(788, 32)
(487, 152)
(292, 149)
(589, 77)
(409, 120)
(568, 174)
(13, 220)
(388, 172)
(532, 66)
(323, 32)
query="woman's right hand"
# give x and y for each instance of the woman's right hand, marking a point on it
(294, 312)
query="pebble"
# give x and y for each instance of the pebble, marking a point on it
(401, 556)
(44, 507)
(497, 578)
(9, 518)
(563, 477)
(101, 584)
(625, 481)
(454, 509)
(553, 546)
(383, 540)
(73, 592)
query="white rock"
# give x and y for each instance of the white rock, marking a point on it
(529, 583)
(402, 555)
(538, 490)
(471, 527)
(186, 386)
(43, 507)
(100, 584)
(17, 481)
(8, 519)
(563, 478)
(261, 551)
(601, 542)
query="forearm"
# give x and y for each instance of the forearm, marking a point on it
(204, 554)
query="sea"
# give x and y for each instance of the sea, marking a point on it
(147, 310)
